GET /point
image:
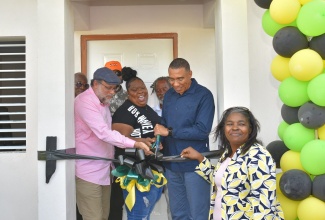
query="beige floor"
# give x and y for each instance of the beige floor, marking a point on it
(159, 212)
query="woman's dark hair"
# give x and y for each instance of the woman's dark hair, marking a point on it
(219, 131)
(129, 75)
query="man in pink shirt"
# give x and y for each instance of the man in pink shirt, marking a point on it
(94, 137)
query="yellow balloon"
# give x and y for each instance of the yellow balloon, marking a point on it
(289, 207)
(280, 68)
(304, 1)
(321, 132)
(311, 208)
(305, 65)
(291, 160)
(284, 11)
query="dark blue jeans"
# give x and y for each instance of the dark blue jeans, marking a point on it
(144, 203)
(189, 195)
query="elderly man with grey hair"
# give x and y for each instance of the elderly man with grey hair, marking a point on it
(95, 137)
(160, 86)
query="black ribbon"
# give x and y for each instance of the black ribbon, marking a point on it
(133, 158)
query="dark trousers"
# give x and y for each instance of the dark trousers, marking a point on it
(116, 202)
(79, 216)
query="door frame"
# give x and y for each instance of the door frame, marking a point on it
(85, 38)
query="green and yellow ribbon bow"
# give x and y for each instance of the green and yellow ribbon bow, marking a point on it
(129, 179)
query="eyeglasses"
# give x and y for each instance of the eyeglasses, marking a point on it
(115, 89)
(79, 85)
(179, 80)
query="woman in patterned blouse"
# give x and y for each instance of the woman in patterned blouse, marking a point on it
(243, 180)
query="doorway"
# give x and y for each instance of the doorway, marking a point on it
(149, 54)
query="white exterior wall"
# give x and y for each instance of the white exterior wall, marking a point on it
(215, 55)
(231, 42)
(265, 102)
(48, 28)
(18, 171)
(55, 106)
(195, 43)
(233, 60)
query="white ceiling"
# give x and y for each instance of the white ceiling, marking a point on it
(140, 2)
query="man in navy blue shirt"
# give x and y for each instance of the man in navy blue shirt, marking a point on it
(187, 117)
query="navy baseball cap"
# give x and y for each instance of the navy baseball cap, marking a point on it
(107, 75)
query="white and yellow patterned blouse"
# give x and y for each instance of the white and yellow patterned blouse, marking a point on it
(248, 185)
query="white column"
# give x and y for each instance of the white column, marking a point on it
(232, 54)
(55, 106)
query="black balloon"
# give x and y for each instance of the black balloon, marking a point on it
(288, 40)
(295, 184)
(311, 115)
(318, 44)
(277, 149)
(263, 3)
(289, 114)
(319, 187)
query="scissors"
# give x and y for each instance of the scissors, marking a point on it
(156, 145)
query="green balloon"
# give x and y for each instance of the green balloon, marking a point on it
(270, 26)
(311, 18)
(296, 136)
(281, 129)
(316, 90)
(293, 92)
(312, 157)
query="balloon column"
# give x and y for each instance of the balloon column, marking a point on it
(298, 31)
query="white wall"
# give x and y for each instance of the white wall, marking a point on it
(233, 60)
(233, 67)
(18, 171)
(265, 102)
(195, 43)
(48, 28)
(55, 106)
(244, 55)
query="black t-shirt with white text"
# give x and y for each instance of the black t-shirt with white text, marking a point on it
(142, 119)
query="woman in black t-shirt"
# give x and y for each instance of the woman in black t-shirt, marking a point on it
(135, 119)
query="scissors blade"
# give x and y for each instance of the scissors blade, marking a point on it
(157, 145)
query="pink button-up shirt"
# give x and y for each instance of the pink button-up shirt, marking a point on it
(95, 137)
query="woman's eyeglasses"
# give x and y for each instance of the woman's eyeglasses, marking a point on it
(79, 85)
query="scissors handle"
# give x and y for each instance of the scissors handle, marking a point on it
(157, 144)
